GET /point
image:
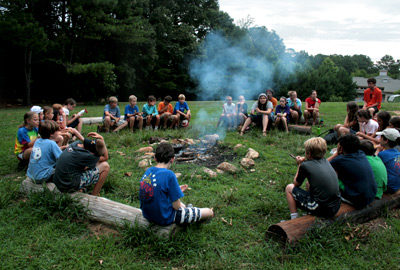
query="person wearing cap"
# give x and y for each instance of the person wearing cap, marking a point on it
(83, 164)
(270, 96)
(390, 156)
(261, 114)
(38, 110)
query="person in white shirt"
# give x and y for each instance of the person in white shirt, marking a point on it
(228, 116)
(368, 126)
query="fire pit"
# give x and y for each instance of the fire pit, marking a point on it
(205, 153)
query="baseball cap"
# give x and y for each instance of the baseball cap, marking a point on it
(36, 109)
(90, 145)
(391, 134)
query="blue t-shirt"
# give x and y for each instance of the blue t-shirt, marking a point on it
(280, 109)
(147, 110)
(181, 107)
(159, 188)
(356, 174)
(43, 159)
(130, 110)
(113, 111)
(291, 103)
(391, 159)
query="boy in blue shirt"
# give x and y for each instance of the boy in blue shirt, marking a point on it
(150, 113)
(179, 111)
(132, 115)
(282, 112)
(112, 114)
(390, 156)
(160, 193)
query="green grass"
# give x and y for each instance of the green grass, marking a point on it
(51, 232)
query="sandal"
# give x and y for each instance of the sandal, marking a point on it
(264, 133)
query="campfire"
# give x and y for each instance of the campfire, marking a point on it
(206, 152)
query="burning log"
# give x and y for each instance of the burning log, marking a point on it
(106, 211)
(292, 230)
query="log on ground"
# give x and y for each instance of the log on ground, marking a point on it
(300, 128)
(95, 120)
(106, 211)
(292, 230)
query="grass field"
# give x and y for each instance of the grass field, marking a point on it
(48, 231)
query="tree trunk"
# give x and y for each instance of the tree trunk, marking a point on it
(28, 71)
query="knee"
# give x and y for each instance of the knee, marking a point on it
(104, 166)
(107, 119)
(289, 188)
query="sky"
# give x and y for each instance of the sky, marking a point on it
(327, 27)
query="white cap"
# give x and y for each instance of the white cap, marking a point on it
(36, 109)
(390, 133)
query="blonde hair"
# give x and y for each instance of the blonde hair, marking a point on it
(112, 99)
(181, 96)
(291, 93)
(315, 147)
(132, 97)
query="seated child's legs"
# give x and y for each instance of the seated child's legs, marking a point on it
(27, 154)
(89, 177)
(103, 168)
(188, 215)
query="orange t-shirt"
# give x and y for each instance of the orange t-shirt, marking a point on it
(373, 97)
(161, 106)
(274, 102)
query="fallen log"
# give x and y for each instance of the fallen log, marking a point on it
(300, 129)
(106, 211)
(292, 230)
(95, 120)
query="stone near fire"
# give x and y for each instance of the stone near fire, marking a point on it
(145, 149)
(237, 146)
(213, 138)
(178, 174)
(210, 172)
(252, 154)
(219, 171)
(189, 141)
(144, 163)
(247, 162)
(227, 167)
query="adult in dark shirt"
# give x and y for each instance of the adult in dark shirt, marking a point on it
(82, 164)
(357, 183)
(323, 197)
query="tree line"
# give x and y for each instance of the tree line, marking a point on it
(92, 49)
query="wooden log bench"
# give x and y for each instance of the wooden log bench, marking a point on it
(301, 129)
(106, 211)
(292, 230)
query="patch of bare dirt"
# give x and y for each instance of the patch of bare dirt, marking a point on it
(99, 229)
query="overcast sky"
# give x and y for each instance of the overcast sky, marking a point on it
(329, 27)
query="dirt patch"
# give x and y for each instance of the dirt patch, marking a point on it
(99, 229)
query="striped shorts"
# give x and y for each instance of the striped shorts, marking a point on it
(187, 215)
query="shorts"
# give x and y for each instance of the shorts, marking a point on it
(257, 118)
(120, 122)
(376, 110)
(74, 124)
(152, 122)
(136, 121)
(89, 177)
(305, 201)
(187, 215)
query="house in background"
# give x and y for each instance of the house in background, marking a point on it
(387, 84)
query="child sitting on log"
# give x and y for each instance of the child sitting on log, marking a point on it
(357, 183)
(282, 112)
(150, 113)
(228, 116)
(26, 136)
(112, 115)
(323, 197)
(181, 106)
(132, 116)
(45, 152)
(390, 156)
(82, 164)
(160, 193)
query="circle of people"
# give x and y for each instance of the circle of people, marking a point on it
(365, 164)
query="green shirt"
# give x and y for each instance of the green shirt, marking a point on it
(380, 174)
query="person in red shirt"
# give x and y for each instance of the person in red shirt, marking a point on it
(166, 112)
(312, 107)
(372, 97)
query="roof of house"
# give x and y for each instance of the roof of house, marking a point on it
(388, 84)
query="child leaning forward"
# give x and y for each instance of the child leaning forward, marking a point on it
(160, 193)
(323, 197)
